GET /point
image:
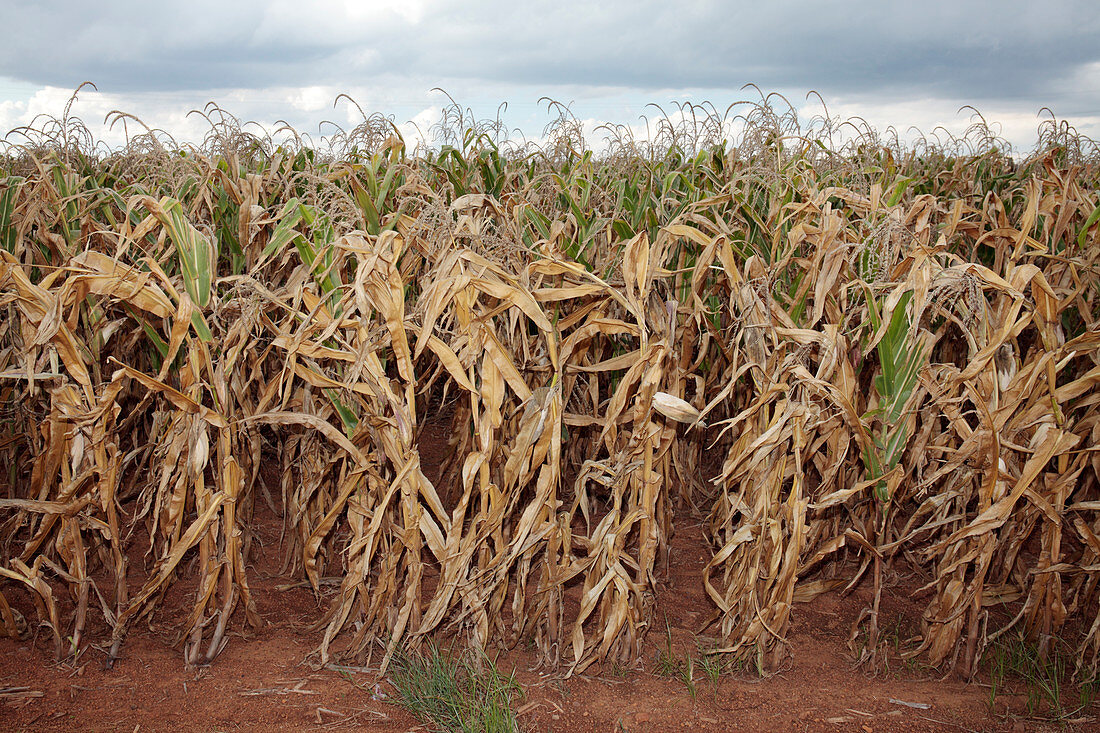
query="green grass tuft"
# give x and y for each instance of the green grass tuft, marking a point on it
(1015, 660)
(450, 694)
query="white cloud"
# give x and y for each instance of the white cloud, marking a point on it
(417, 131)
(332, 23)
(943, 118)
(288, 59)
(312, 99)
(415, 112)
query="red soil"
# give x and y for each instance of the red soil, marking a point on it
(267, 682)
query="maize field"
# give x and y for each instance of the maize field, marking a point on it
(843, 357)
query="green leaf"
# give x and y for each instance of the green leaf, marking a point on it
(899, 191)
(196, 253)
(8, 195)
(1093, 218)
(347, 417)
(285, 232)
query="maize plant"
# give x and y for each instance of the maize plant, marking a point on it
(842, 358)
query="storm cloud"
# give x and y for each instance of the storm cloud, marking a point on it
(1011, 55)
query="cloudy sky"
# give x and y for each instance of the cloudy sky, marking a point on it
(911, 64)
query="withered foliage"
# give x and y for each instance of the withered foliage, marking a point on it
(849, 359)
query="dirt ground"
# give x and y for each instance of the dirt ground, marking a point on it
(270, 680)
(268, 683)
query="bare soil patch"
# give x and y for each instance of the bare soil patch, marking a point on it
(270, 681)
